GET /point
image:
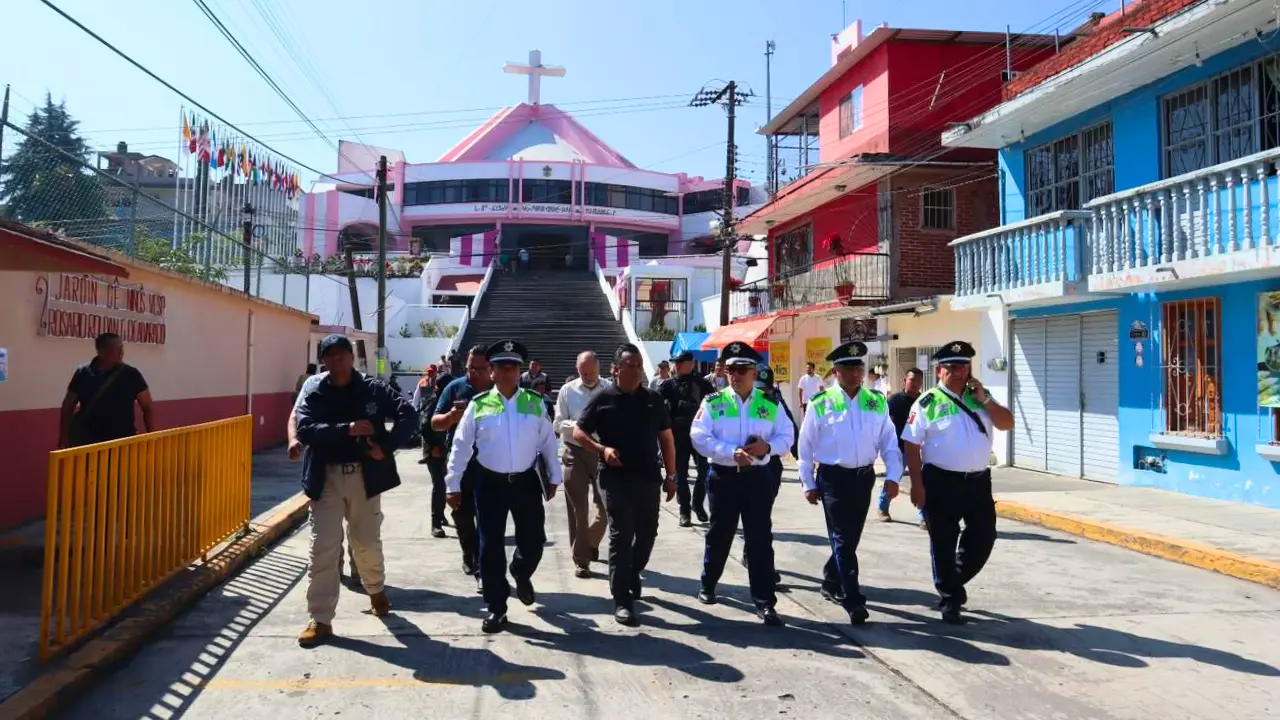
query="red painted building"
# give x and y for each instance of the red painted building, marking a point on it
(866, 198)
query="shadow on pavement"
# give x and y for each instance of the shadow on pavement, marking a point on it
(751, 633)
(1038, 537)
(1107, 646)
(225, 617)
(436, 662)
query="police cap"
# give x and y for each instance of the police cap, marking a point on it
(335, 340)
(848, 354)
(739, 353)
(507, 351)
(959, 352)
(764, 376)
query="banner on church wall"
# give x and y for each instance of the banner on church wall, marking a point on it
(816, 350)
(612, 252)
(477, 249)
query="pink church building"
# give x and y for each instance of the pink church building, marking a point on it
(532, 177)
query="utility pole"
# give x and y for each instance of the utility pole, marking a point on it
(4, 119)
(351, 284)
(771, 177)
(246, 235)
(382, 266)
(731, 99)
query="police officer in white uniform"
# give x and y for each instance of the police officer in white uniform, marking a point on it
(948, 448)
(506, 428)
(844, 430)
(739, 429)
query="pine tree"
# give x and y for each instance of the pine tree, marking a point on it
(41, 183)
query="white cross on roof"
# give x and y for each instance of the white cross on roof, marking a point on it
(535, 70)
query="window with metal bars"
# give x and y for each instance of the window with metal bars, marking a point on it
(938, 209)
(1221, 119)
(793, 252)
(1069, 172)
(1191, 367)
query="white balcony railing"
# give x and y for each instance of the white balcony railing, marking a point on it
(1207, 222)
(1040, 256)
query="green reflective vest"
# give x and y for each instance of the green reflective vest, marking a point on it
(832, 400)
(490, 402)
(724, 404)
(937, 404)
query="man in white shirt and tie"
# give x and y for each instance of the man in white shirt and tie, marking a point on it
(739, 429)
(506, 428)
(809, 384)
(581, 466)
(846, 427)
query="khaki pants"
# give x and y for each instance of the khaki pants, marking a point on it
(343, 497)
(582, 477)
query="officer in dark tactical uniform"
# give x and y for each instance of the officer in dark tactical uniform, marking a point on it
(683, 394)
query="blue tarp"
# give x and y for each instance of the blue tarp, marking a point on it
(692, 341)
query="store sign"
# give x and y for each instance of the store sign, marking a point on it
(546, 209)
(83, 307)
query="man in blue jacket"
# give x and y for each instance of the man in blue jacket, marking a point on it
(347, 464)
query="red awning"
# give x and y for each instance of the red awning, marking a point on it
(24, 249)
(752, 332)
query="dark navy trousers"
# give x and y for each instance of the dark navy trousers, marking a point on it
(846, 498)
(958, 557)
(744, 494)
(497, 496)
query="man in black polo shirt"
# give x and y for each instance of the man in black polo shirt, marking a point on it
(99, 403)
(631, 423)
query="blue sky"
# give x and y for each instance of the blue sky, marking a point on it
(430, 70)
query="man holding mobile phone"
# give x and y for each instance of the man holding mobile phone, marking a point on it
(450, 406)
(947, 443)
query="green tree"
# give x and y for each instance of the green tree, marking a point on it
(182, 259)
(43, 183)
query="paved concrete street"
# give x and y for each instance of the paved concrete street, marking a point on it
(1061, 628)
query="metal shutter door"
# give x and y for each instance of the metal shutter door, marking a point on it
(1062, 395)
(1100, 337)
(1028, 399)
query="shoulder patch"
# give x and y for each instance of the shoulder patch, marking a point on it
(925, 400)
(818, 395)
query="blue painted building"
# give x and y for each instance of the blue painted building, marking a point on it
(1139, 257)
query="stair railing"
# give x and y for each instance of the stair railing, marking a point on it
(621, 314)
(607, 289)
(474, 307)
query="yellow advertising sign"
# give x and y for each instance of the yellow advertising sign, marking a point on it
(816, 350)
(780, 360)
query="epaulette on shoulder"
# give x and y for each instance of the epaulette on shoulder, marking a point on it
(481, 394)
(535, 393)
(925, 400)
(881, 394)
(818, 395)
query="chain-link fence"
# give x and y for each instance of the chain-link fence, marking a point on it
(135, 211)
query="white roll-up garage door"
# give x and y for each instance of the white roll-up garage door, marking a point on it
(1028, 395)
(1100, 391)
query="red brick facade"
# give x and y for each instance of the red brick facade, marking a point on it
(1107, 33)
(923, 262)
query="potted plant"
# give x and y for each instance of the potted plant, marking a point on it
(844, 286)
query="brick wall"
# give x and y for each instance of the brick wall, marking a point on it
(1107, 33)
(924, 262)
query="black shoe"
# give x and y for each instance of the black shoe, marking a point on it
(951, 616)
(422, 461)
(624, 616)
(443, 523)
(770, 617)
(479, 585)
(859, 615)
(494, 622)
(437, 531)
(684, 520)
(524, 591)
(700, 514)
(832, 595)
(707, 597)
(468, 569)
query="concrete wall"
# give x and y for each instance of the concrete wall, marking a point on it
(204, 371)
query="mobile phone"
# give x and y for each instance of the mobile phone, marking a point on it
(460, 404)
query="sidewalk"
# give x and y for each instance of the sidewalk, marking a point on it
(21, 558)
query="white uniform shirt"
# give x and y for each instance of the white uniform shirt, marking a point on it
(570, 403)
(849, 434)
(716, 434)
(809, 385)
(507, 441)
(948, 438)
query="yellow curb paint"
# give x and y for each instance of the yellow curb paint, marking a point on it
(65, 678)
(1244, 567)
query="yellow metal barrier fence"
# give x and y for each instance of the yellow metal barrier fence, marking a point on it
(126, 515)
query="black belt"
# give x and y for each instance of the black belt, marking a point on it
(737, 469)
(346, 468)
(509, 477)
(840, 469)
(974, 475)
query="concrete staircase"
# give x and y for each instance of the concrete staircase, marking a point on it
(556, 314)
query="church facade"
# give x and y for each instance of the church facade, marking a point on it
(531, 178)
